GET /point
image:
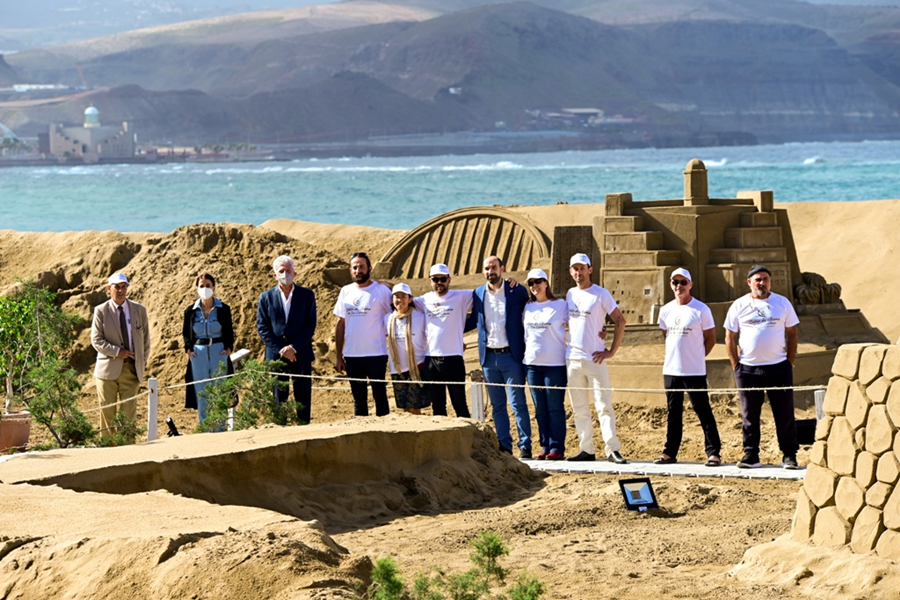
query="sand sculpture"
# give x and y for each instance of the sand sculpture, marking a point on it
(848, 497)
(634, 246)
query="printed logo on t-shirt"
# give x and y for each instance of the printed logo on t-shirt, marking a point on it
(437, 310)
(577, 312)
(353, 309)
(763, 318)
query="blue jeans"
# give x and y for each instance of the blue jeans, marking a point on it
(501, 367)
(549, 405)
(205, 366)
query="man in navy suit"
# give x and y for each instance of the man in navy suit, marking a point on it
(497, 312)
(286, 321)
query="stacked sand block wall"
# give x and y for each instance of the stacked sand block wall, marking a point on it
(850, 494)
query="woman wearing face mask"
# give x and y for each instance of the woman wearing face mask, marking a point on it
(406, 350)
(208, 341)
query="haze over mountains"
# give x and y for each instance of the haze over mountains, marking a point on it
(676, 72)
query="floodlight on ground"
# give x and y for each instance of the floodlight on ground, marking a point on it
(638, 494)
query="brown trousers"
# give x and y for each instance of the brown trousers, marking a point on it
(111, 391)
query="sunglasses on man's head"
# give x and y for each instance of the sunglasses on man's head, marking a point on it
(442, 279)
(680, 282)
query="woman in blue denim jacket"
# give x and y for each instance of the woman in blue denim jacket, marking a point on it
(208, 341)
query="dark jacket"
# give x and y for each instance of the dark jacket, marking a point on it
(516, 299)
(299, 329)
(187, 334)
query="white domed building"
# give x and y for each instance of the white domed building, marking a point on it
(92, 142)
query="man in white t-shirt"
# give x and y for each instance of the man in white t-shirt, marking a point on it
(586, 356)
(360, 345)
(690, 335)
(445, 319)
(761, 339)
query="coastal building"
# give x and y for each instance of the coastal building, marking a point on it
(634, 247)
(92, 142)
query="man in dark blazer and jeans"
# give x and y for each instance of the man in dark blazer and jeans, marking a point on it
(286, 322)
(497, 312)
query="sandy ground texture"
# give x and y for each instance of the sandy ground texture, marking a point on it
(221, 537)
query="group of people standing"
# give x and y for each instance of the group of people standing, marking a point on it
(525, 334)
(522, 336)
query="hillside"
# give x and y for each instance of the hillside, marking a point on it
(7, 75)
(717, 70)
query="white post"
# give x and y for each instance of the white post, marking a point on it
(819, 396)
(152, 407)
(230, 420)
(476, 393)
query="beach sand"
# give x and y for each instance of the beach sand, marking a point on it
(200, 520)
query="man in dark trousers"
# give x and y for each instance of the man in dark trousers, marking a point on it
(497, 312)
(761, 339)
(286, 322)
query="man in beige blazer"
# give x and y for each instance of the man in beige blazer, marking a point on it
(121, 334)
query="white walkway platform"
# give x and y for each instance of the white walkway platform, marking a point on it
(680, 469)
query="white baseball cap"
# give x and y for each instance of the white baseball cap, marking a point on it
(439, 269)
(580, 259)
(401, 287)
(116, 278)
(683, 272)
(536, 274)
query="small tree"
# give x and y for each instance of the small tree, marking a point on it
(252, 385)
(32, 329)
(55, 402)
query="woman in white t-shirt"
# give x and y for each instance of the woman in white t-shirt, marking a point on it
(545, 319)
(405, 329)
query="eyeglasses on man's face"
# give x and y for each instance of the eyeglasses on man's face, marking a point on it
(680, 282)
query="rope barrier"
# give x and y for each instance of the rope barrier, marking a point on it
(799, 388)
(153, 394)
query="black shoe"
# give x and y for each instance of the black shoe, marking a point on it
(790, 462)
(582, 457)
(750, 461)
(506, 450)
(525, 454)
(615, 457)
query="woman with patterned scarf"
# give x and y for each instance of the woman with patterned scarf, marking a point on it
(406, 350)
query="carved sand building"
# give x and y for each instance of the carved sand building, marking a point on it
(634, 246)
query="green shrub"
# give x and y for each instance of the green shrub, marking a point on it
(250, 392)
(54, 405)
(474, 584)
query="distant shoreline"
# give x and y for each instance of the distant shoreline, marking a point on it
(447, 144)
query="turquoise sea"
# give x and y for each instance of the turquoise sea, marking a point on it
(403, 192)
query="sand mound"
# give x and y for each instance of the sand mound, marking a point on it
(57, 543)
(821, 573)
(342, 474)
(214, 515)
